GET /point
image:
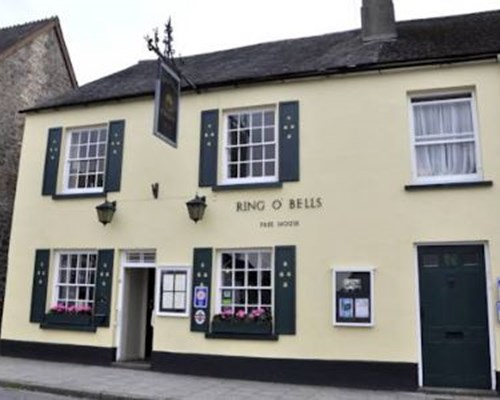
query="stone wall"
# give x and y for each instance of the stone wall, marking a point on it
(34, 72)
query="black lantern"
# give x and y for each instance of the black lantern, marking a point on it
(105, 211)
(196, 208)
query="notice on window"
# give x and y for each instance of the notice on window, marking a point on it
(362, 307)
(167, 97)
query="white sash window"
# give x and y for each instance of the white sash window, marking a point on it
(445, 139)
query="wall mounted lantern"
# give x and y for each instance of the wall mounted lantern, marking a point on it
(105, 211)
(196, 208)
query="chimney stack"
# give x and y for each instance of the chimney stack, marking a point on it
(377, 20)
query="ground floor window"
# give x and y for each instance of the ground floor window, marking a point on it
(246, 281)
(75, 281)
(174, 295)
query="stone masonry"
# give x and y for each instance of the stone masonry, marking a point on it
(34, 71)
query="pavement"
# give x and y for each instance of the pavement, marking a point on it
(112, 383)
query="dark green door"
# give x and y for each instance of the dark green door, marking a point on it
(454, 317)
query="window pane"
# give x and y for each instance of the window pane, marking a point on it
(168, 282)
(227, 260)
(256, 135)
(233, 171)
(257, 169)
(244, 170)
(233, 121)
(239, 278)
(269, 135)
(269, 118)
(233, 138)
(443, 118)
(180, 281)
(252, 278)
(265, 260)
(266, 278)
(253, 297)
(257, 119)
(227, 278)
(84, 137)
(257, 152)
(179, 301)
(446, 159)
(269, 152)
(244, 121)
(266, 297)
(233, 155)
(269, 168)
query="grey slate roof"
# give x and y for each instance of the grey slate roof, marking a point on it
(445, 39)
(11, 35)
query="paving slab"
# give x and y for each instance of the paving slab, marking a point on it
(111, 383)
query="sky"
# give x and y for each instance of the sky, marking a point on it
(104, 36)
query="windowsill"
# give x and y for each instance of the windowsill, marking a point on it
(241, 336)
(245, 186)
(63, 196)
(447, 185)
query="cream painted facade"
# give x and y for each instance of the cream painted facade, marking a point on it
(355, 155)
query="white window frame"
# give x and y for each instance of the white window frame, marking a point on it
(67, 143)
(57, 271)
(226, 179)
(168, 268)
(371, 271)
(435, 97)
(218, 296)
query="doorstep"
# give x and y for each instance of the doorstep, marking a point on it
(141, 365)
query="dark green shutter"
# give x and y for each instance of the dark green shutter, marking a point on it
(202, 276)
(114, 156)
(284, 290)
(289, 141)
(208, 148)
(104, 286)
(39, 290)
(52, 161)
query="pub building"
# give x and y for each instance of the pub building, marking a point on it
(321, 210)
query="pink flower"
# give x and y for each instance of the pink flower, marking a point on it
(240, 314)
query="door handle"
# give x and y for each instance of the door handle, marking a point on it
(454, 335)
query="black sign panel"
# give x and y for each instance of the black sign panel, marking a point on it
(167, 105)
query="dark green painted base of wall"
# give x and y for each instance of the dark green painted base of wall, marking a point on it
(58, 352)
(370, 375)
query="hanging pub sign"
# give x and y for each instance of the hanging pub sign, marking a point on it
(167, 98)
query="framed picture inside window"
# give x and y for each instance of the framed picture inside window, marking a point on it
(353, 296)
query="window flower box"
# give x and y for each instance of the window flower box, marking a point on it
(242, 327)
(257, 322)
(70, 319)
(62, 316)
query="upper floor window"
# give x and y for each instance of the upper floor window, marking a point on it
(86, 159)
(445, 138)
(83, 161)
(251, 146)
